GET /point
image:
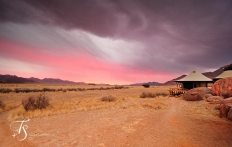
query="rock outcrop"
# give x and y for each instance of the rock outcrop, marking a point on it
(223, 87)
(215, 99)
(225, 106)
(196, 94)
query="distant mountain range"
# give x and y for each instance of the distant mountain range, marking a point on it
(16, 79)
(210, 75)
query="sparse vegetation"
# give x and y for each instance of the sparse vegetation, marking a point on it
(148, 95)
(162, 94)
(2, 105)
(153, 95)
(108, 98)
(5, 90)
(38, 102)
(49, 90)
(6, 106)
(84, 101)
(27, 90)
(146, 85)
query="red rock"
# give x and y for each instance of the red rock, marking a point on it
(229, 117)
(215, 99)
(225, 107)
(192, 96)
(208, 95)
(223, 87)
(196, 94)
(217, 107)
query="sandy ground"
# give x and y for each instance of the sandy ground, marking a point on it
(182, 124)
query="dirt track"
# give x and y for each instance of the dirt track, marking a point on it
(125, 127)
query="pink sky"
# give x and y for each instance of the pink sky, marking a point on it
(114, 41)
(80, 68)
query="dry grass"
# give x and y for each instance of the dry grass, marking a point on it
(148, 95)
(6, 107)
(108, 98)
(83, 105)
(199, 107)
(89, 100)
(153, 95)
(2, 105)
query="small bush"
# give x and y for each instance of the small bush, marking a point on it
(60, 89)
(147, 95)
(108, 98)
(162, 94)
(5, 90)
(119, 87)
(146, 85)
(39, 102)
(49, 90)
(2, 105)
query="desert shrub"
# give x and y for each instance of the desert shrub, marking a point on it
(5, 90)
(162, 94)
(147, 95)
(119, 87)
(92, 89)
(17, 90)
(38, 102)
(146, 85)
(49, 90)
(2, 105)
(80, 89)
(24, 90)
(60, 89)
(108, 98)
(64, 90)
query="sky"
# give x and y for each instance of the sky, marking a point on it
(114, 41)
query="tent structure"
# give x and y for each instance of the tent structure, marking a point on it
(226, 73)
(193, 80)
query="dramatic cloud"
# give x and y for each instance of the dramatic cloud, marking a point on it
(123, 41)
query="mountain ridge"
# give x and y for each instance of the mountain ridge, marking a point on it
(15, 79)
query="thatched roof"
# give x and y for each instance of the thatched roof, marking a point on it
(194, 76)
(227, 73)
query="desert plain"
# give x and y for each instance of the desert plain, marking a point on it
(83, 119)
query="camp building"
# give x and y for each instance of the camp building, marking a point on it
(193, 80)
(227, 72)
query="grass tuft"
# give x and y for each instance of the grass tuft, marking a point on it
(2, 105)
(148, 95)
(108, 98)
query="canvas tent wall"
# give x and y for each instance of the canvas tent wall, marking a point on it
(193, 80)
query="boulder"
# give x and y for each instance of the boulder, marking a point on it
(229, 117)
(214, 99)
(196, 94)
(223, 87)
(225, 107)
(192, 96)
(217, 107)
(208, 95)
